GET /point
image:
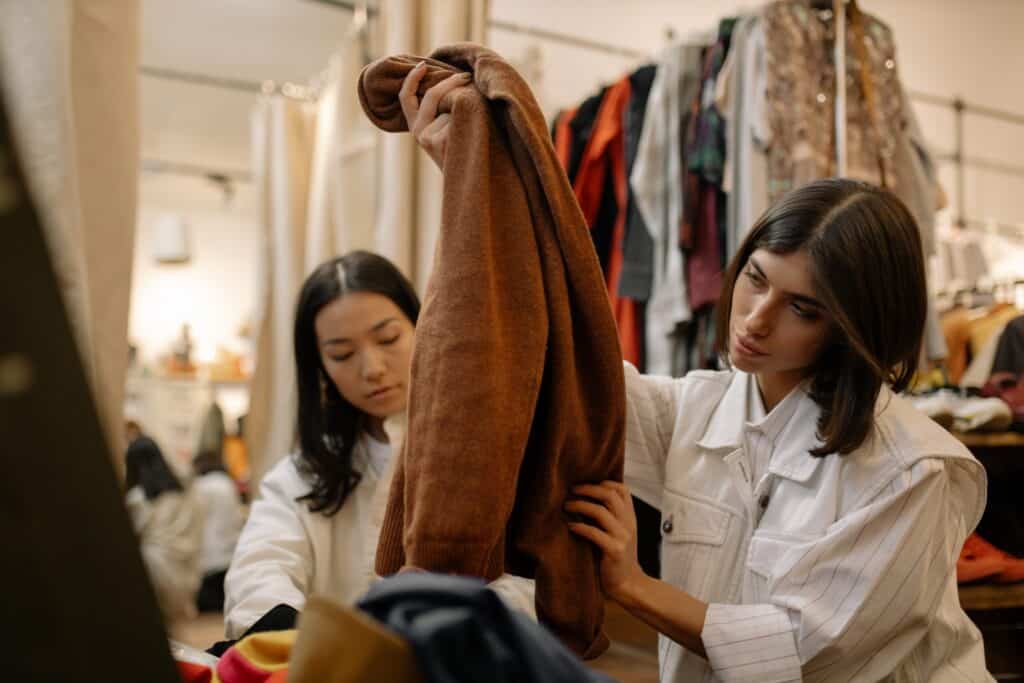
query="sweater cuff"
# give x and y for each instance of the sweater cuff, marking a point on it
(750, 643)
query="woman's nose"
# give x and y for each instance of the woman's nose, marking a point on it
(759, 320)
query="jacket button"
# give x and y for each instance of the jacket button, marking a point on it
(666, 526)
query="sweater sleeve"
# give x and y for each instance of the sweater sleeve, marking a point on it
(273, 560)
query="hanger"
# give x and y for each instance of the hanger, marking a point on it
(361, 30)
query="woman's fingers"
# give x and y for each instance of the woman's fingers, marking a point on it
(434, 134)
(614, 495)
(596, 536)
(599, 513)
(407, 93)
(427, 113)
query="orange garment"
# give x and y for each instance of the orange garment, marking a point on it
(956, 327)
(604, 153)
(967, 331)
(992, 322)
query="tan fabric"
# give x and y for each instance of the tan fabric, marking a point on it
(517, 392)
(956, 326)
(105, 92)
(337, 644)
(69, 71)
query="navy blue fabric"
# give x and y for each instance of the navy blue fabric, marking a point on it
(461, 631)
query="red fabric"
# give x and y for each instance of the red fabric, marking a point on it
(233, 667)
(979, 559)
(703, 264)
(605, 152)
(194, 673)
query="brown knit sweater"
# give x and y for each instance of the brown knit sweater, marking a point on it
(517, 388)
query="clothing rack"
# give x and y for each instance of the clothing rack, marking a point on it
(221, 176)
(288, 89)
(959, 106)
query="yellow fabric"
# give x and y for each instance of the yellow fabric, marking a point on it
(268, 651)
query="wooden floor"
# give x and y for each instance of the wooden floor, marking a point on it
(632, 657)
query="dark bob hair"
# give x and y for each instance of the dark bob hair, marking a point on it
(868, 270)
(328, 425)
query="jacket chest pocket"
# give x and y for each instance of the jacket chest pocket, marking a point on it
(695, 553)
(763, 558)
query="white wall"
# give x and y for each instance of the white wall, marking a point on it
(215, 291)
(970, 48)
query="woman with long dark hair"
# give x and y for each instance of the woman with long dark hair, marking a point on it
(307, 532)
(169, 526)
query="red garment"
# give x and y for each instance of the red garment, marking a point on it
(606, 151)
(703, 263)
(979, 559)
(194, 673)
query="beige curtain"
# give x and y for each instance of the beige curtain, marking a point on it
(342, 200)
(283, 131)
(329, 183)
(409, 212)
(69, 72)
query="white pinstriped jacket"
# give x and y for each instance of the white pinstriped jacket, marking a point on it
(824, 569)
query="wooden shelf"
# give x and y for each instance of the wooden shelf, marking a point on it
(988, 596)
(991, 440)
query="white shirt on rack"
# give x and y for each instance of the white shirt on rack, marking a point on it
(817, 569)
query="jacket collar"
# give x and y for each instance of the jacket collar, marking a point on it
(792, 426)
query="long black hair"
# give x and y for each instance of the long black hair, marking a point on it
(868, 268)
(328, 425)
(145, 466)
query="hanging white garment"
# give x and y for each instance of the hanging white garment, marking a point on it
(741, 100)
(69, 73)
(656, 182)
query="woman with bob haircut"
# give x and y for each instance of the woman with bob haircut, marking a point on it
(811, 518)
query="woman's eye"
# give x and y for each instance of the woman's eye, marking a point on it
(390, 340)
(754, 277)
(341, 358)
(804, 312)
